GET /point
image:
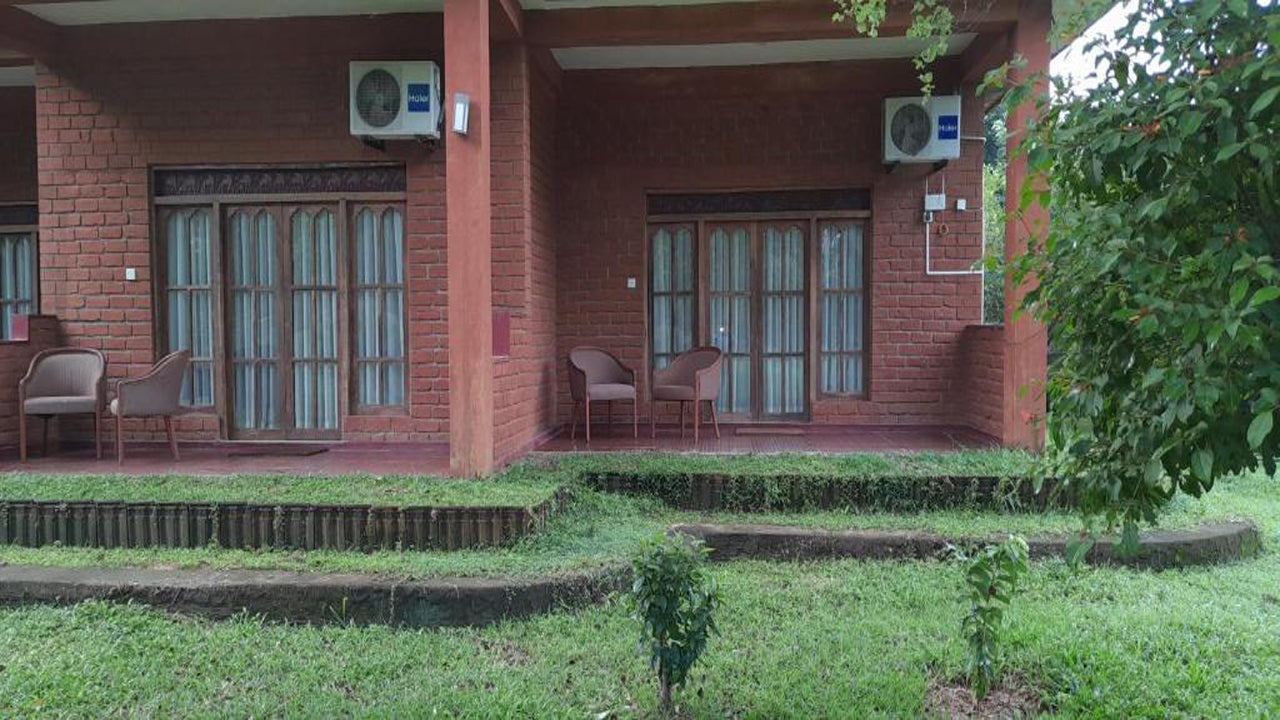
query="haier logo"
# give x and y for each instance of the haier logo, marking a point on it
(948, 127)
(419, 97)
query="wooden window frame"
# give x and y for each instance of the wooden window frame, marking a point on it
(354, 288)
(863, 292)
(32, 232)
(217, 204)
(161, 289)
(694, 321)
(811, 221)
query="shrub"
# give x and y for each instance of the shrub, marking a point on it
(991, 580)
(675, 600)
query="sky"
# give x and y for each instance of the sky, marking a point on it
(1075, 65)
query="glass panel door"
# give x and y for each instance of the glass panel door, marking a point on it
(313, 291)
(782, 319)
(730, 291)
(253, 286)
(283, 319)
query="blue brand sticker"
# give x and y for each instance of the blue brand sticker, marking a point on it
(419, 97)
(948, 127)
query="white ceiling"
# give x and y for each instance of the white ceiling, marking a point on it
(732, 54)
(18, 76)
(101, 12)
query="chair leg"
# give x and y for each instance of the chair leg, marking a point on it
(587, 422)
(573, 420)
(653, 419)
(635, 419)
(97, 434)
(681, 419)
(44, 436)
(22, 436)
(119, 440)
(173, 441)
(697, 420)
(714, 421)
(608, 416)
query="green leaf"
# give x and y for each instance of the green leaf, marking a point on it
(1264, 295)
(1078, 546)
(1260, 428)
(1202, 463)
(1238, 289)
(1229, 151)
(1264, 101)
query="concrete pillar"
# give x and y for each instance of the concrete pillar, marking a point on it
(1025, 340)
(469, 227)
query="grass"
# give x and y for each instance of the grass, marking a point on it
(806, 640)
(521, 489)
(835, 639)
(602, 528)
(1006, 463)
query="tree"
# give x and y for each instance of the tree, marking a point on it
(674, 599)
(1157, 274)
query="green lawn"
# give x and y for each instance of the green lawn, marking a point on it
(519, 489)
(837, 639)
(602, 528)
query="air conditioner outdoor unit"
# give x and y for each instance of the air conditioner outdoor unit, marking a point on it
(918, 129)
(395, 100)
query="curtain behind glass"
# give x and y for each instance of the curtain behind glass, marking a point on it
(672, 314)
(314, 303)
(841, 305)
(17, 279)
(255, 325)
(189, 298)
(380, 315)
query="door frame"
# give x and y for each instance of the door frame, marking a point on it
(811, 220)
(213, 188)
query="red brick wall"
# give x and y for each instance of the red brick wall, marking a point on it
(623, 133)
(524, 270)
(978, 385)
(17, 144)
(15, 358)
(218, 93)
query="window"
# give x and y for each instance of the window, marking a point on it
(842, 309)
(379, 313)
(189, 299)
(17, 278)
(672, 291)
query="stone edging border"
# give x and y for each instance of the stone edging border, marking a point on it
(756, 493)
(254, 526)
(1205, 545)
(313, 598)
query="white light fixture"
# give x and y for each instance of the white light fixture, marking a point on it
(461, 112)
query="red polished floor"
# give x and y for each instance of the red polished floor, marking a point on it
(227, 458)
(743, 439)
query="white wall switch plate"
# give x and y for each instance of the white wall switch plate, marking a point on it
(131, 273)
(962, 204)
(631, 283)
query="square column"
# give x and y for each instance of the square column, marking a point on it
(469, 243)
(1026, 341)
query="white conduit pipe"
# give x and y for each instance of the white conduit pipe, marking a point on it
(928, 252)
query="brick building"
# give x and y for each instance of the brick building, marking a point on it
(643, 176)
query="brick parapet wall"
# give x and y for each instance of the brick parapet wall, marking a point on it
(978, 384)
(251, 92)
(43, 332)
(628, 132)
